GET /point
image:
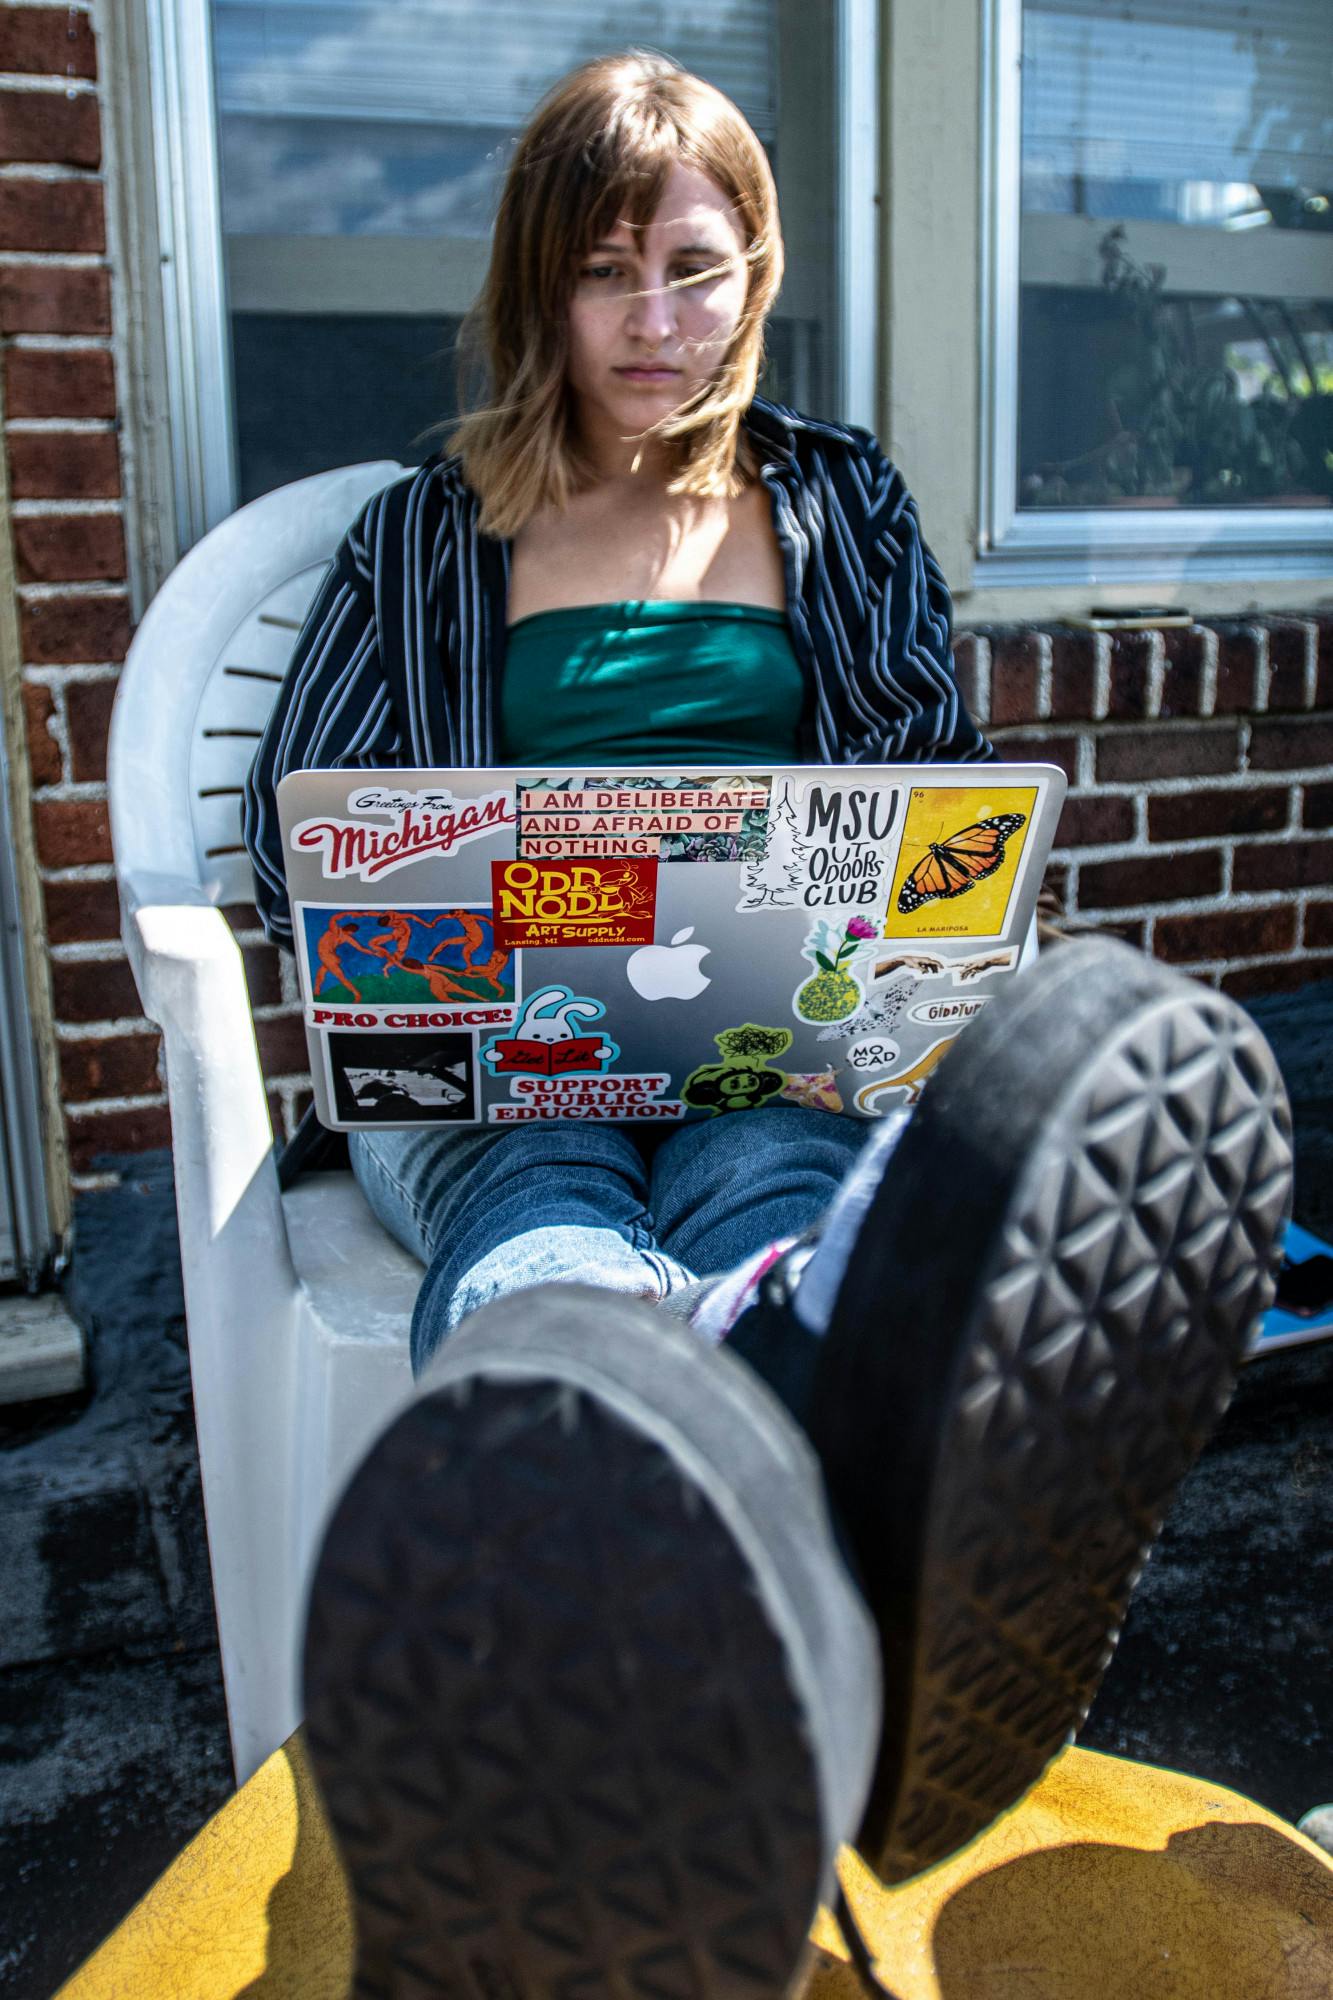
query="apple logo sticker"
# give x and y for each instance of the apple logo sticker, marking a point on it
(669, 971)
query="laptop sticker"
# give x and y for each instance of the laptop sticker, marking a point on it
(959, 859)
(583, 900)
(817, 1090)
(651, 818)
(744, 1076)
(873, 1052)
(402, 1079)
(610, 1097)
(835, 991)
(398, 826)
(870, 1097)
(669, 971)
(418, 966)
(552, 1037)
(772, 879)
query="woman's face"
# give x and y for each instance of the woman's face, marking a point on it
(641, 336)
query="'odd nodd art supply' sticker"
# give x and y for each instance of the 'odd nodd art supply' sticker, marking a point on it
(653, 817)
(416, 967)
(743, 1076)
(835, 991)
(959, 859)
(552, 1037)
(402, 1079)
(579, 901)
(611, 1097)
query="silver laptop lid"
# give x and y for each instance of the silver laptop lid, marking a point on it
(497, 946)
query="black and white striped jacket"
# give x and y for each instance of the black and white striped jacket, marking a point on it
(399, 660)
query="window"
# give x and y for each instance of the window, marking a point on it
(359, 150)
(1159, 308)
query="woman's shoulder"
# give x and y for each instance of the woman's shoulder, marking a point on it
(823, 451)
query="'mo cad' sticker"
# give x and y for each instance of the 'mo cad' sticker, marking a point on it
(400, 827)
(873, 1097)
(579, 901)
(552, 1037)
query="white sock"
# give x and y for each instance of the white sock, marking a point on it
(824, 1267)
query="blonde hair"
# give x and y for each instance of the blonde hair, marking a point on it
(598, 148)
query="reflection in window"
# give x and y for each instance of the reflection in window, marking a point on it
(1176, 293)
(362, 144)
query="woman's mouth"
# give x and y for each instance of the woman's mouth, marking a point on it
(648, 374)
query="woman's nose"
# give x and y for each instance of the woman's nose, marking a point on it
(652, 312)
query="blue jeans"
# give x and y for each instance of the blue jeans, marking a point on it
(490, 1212)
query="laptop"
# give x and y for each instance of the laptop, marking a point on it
(498, 946)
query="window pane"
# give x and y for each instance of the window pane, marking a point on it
(1176, 261)
(362, 144)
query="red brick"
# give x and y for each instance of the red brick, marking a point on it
(262, 976)
(276, 1118)
(81, 912)
(46, 41)
(966, 650)
(109, 1066)
(1149, 878)
(1286, 663)
(1167, 750)
(1133, 930)
(1287, 976)
(1061, 750)
(1131, 672)
(282, 1046)
(43, 750)
(70, 548)
(52, 215)
(64, 382)
(1097, 819)
(88, 989)
(1199, 815)
(1015, 662)
(71, 832)
(88, 706)
(47, 298)
(242, 917)
(1319, 926)
(64, 465)
(1318, 809)
(1182, 670)
(1289, 745)
(64, 630)
(1237, 669)
(49, 125)
(106, 1134)
(1226, 934)
(1284, 864)
(1323, 693)
(1073, 674)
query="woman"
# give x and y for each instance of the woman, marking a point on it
(592, 1691)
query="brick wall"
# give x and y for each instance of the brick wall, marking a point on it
(1200, 822)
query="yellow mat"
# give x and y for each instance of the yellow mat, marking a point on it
(1111, 1881)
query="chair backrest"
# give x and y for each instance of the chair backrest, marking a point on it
(203, 672)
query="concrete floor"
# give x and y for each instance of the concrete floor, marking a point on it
(113, 1746)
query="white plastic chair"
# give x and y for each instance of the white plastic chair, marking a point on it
(298, 1304)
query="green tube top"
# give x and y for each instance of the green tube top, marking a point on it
(668, 681)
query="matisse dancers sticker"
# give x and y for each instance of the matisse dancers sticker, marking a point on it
(418, 967)
(554, 1036)
(958, 862)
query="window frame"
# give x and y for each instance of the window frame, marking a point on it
(951, 319)
(196, 341)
